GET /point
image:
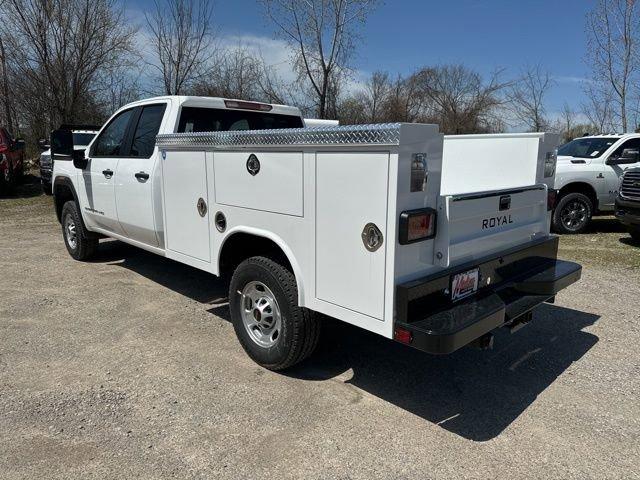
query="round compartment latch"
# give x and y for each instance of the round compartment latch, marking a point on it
(202, 207)
(221, 222)
(372, 237)
(253, 165)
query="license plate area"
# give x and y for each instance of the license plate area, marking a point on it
(464, 284)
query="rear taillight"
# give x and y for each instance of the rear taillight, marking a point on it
(552, 196)
(417, 225)
(401, 335)
(262, 107)
(550, 164)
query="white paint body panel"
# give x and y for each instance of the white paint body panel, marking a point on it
(276, 188)
(352, 191)
(477, 163)
(185, 182)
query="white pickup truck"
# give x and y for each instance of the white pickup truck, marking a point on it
(362, 223)
(588, 177)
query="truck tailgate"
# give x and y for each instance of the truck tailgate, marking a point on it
(472, 225)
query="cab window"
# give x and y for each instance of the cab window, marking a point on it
(111, 142)
(198, 119)
(144, 137)
(634, 143)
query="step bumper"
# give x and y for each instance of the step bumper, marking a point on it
(519, 280)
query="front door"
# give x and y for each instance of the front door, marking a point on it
(136, 178)
(96, 183)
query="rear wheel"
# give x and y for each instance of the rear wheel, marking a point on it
(272, 328)
(572, 213)
(7, 180)
(80, 243)
(635, 234)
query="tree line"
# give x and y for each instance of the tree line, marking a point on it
(76, 61)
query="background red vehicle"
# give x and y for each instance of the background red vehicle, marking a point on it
(11, 160)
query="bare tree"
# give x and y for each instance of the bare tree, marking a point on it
(321, 34)
(458, 99)
(527, 97)
(4, 85)
(4, 77)
(182, 36)
(60, 49)
(598, 107)
(613, 29)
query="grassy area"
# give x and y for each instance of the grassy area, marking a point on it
(607, 243)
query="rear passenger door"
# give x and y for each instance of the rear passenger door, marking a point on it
(136, 179)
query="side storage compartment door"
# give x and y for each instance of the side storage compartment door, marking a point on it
(351, 192)
(184, 177)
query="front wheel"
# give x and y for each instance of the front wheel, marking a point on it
(80, 244)
(272, 328)
(572, 213)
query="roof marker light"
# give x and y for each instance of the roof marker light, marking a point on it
(262, 107)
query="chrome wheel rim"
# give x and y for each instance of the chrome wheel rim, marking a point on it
(71, 234)
(260, 314)
(574, 214)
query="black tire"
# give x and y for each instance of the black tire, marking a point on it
(46, 188)
(299, 328)
(572, 214)
(635, 234)
(7, 182)
(84, 244)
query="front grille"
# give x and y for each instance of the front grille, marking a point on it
(630, 187)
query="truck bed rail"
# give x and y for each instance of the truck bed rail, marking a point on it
(379, 134)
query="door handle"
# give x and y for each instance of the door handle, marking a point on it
(142, 176)
(107, 173)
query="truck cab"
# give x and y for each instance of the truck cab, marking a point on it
(587, 178)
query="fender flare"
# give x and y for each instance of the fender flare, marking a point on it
(297, 271)
(67, 182)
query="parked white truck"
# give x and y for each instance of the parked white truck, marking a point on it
(588, 178)
(360, 223)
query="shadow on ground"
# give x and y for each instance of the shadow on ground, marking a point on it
(28, 187)
(605, 225)
(474, 394)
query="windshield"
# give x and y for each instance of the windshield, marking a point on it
(195, 119)
(587, 147)
(83, 139)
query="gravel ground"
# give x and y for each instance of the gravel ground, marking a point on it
(127, 367)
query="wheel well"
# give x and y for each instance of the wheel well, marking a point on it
(580, 187)
(62, 194)
(240, 246)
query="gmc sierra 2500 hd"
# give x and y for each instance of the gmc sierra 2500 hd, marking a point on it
(361, 223)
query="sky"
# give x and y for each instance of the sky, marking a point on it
(402, 35)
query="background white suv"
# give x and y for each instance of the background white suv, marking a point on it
(588, 176)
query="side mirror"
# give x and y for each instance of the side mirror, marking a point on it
(79, 160)
(61, 144)
(629, 155)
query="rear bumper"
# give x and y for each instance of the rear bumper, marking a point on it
(628, 212)
(511, 284)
